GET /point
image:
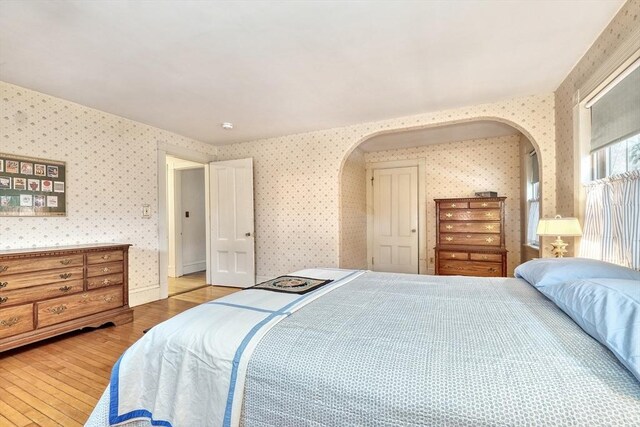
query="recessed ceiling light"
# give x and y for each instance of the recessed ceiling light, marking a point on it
(227, 126)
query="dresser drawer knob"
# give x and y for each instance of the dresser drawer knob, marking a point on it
(448, 238)
(448, 214)
(65, 275)
(449, 227)
(106, 282)
(108, 298)
(3, 284)
(484, 205)
(468, 236)
(65, 288)
(489, 239)
(105, 270)
(488, 214)
(492, 270)
(10, 322)
(453, 205)
(3, 268)
(485, 257)
(453, 255)
(489, 227)
(57, 310)
(106, 257)
(3, 300)
(65, 261)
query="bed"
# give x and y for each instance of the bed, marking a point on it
(377, 349)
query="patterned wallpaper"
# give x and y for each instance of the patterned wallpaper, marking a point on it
(298, 178)
(111, 172)
(625, 24)
(353, 208)
(458, 169)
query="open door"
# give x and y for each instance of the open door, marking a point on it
(232, 240)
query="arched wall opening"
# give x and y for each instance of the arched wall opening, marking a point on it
(453, 169)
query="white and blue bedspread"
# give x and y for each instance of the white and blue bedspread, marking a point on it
(393, 349)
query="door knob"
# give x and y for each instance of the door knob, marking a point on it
(247, 234)
(413, 230)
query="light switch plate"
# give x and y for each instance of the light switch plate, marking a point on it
(146, 211)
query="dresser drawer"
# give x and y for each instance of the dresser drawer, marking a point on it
(102, 269)
(470, 215)
(486, 257)
(15, 266)
(36, 293)
(103, 281)
(470, 268)
(107, 256)
(454, 205)
(471, 239)
(483, 205)
(453, 255)
(16, 320)
(74, 306)
(469, 227)
(36, 278)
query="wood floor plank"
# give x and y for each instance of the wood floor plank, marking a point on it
(57, 382)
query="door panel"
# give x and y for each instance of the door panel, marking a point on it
(395, 220)
(232, 234)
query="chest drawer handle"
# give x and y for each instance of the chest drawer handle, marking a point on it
(489, 227)
(3, 268)
(65, 261)
(449, 227)
(492, 270)
(488, 214)
(489, 239)
(65, 275)
(65, 288)
(106, 282)
(106, 257)
(468, 236)
(105, 270)
(57, 310)
(108, 298)
(3, 284)
(10, 322)
(448, 214)
(3, 300)
(448, 239)
(485, 257)
(453, 205)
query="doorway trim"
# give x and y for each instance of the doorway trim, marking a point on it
(421, 163)
(165, 149)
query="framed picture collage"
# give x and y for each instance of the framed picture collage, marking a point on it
(32, 187)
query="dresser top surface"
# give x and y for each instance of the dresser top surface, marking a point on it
(84, 247)
(473, 199)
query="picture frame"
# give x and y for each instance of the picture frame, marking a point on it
(31, 186)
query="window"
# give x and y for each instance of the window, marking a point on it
(533, 201)
(621, 157)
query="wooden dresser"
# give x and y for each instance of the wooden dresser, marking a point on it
(470, 237)
(50, 291)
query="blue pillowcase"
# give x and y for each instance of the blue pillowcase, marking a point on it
(608, 310)
(544, 272)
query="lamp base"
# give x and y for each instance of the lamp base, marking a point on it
(559, 248)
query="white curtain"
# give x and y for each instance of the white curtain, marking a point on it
(612, 220)
(534, 215)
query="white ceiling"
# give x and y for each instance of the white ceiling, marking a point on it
(281, 67)
(438, 135)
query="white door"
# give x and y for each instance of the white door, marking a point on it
(232, 240)
(395, 220)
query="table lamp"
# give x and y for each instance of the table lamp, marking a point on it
(559, 226)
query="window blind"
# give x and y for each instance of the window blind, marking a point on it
(616, 115)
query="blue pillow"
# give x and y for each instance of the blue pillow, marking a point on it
(608, 310)
(553, 271)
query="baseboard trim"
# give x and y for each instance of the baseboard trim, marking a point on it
(144, 295)
(194, 267)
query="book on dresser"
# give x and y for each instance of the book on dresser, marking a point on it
(470, 237)
(49, 291)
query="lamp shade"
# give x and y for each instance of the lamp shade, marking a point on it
(559, 226)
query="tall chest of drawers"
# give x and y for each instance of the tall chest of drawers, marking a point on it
(470, 237)
(49, 291)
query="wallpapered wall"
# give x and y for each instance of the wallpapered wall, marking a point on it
(353, 208)
(111, 172)
(458, 169)
(625, 25)
(298, 178)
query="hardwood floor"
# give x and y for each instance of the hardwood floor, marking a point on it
(186, 283)
(57, 382)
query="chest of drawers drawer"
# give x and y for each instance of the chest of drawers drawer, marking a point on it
(16, 320)
(475, 239)
(74, 306)
(37, 278)
(485, 257)
(102, 269)
(106, 256)
(470, 227)
(103, 281)
(16, 266)
(470, 214)
(470, 268)
(37, 293)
